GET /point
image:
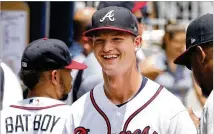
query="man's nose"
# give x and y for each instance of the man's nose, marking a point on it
(108, 46)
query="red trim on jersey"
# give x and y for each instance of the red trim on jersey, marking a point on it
(101, 112)
(141, 108)
(35, 108)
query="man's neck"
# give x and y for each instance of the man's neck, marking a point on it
(122, 87)
(41, 91)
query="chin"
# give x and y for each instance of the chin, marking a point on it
(109, 70)
(113, 72)
(64, 97)
(110, 73)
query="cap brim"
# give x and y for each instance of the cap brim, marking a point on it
(76, 65)
(184, 59)
(89, 32)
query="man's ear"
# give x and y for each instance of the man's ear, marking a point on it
(200, 53)
(138, 42)
(54, 77)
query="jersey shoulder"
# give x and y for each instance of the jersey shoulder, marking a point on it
(166, 99)
(36, 104)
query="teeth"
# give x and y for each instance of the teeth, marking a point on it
(110, 56)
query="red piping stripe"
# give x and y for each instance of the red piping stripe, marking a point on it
(35, 108)
(101, 112)
(141, 108)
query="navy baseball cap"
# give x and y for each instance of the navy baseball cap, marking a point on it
(113, 18)
(126, 4)
(199, 32)
(48, 54)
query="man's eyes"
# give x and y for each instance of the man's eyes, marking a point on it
(117, 39)
(99, 41)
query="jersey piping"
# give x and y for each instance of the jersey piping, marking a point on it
(130, 118)
(36, 108)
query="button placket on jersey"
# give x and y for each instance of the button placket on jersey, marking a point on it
(116, 122)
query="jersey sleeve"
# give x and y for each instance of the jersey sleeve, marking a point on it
(181, 123)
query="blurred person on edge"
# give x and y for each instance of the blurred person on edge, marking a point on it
(10, 86)
(176, 78)
(198, 57)
(80, 47)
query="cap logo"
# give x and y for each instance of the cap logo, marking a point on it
(192, 41)
(135, 29)
(109, 15)
(24, 64)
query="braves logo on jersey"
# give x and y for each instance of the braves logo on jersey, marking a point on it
(82, 130)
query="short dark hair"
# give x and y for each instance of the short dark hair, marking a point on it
(30, 78)
(204, 46)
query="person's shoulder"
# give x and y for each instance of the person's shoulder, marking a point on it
(39, 103)
(170, 104)
(152, 84)
(165, 97)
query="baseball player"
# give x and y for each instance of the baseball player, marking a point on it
(45, 69)
(126, 102)
(198, 57)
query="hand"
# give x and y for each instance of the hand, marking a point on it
(194, 118)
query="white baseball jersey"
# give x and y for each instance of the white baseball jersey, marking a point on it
(206, 122)
(12, 86)
(154, 110)
(37, 115)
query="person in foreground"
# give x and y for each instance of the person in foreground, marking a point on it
(45, 69)
(198, 57)
(126, 102)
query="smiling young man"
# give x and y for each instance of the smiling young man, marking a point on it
(126, 102)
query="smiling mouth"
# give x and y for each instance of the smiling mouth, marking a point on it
(110, 57)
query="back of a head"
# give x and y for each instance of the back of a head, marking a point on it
(127, 4)
(82, 20)
(84, 15)
(44, 55)
(199, 32)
